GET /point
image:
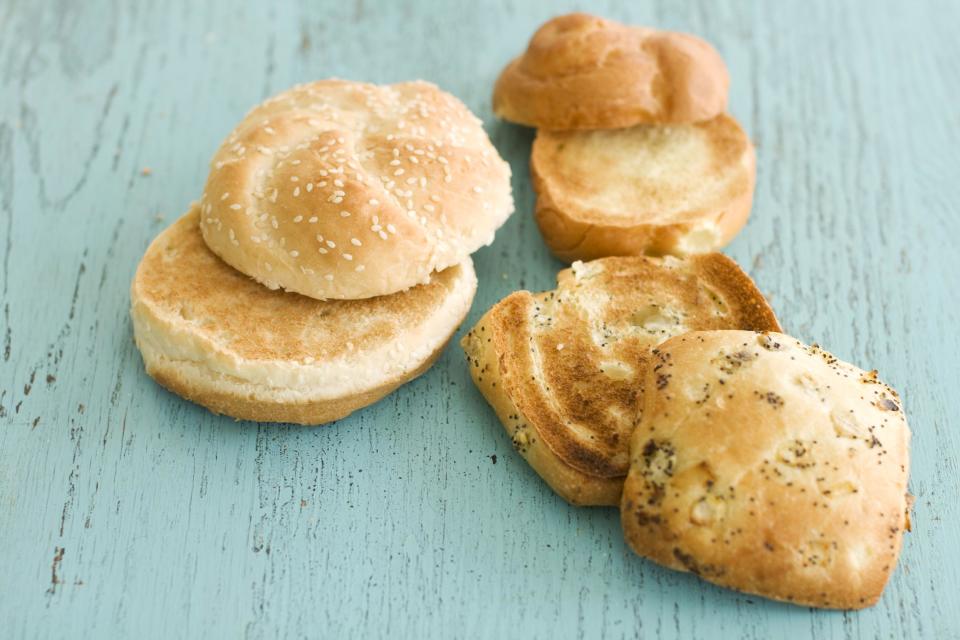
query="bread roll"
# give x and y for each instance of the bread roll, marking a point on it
(346, 190)
(649, 189)
(216, 337)
(562, 368)
(771, 467)
(583, 72)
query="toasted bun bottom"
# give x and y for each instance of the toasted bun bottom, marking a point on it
(215, 336)
(647, 190)
(580, 489)
(243, 401)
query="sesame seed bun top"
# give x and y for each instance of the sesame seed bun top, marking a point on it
(347, 190)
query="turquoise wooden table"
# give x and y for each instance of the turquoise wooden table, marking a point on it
(127, 512)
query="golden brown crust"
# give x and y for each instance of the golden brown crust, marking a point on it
(583, 72)
(217, 337)
(647, 190)
(562, 368)
(771, 467)
(347, 190)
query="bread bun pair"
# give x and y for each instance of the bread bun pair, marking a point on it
(562, 368)
(634, 152)
(663, 386)
(328, 259)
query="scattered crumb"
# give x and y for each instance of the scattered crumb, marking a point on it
(146, 171)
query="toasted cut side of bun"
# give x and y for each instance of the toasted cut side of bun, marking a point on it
(769, 466)
(347, 190)
(562, 368)
(214, 336)
(653, 190)
(583, 72)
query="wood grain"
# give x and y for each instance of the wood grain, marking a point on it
(125, 511)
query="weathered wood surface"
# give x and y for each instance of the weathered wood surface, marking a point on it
(127, 512)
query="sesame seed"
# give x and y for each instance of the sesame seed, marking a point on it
(322, 251)
(383, 236)
(313, 220)
(355, 242)
(328, 277)
(294, 253)
(269, 130)
(226, 194)
(235, 207)
(344, 214)
(560, 346)
(309, 187)
(411, 180)
(394, 163)
(359, 268)
(273, 196)
(398, 172)
(294, 178)
(391, 228)
(374, 202)
(347, 257)
(331, 244)
(297, 218)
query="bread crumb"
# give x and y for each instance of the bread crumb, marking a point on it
(146, 171)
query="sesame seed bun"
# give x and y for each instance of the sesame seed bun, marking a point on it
(649, 189)
(769, 466)
(214, 336)
(346, 190)
(583, 72)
